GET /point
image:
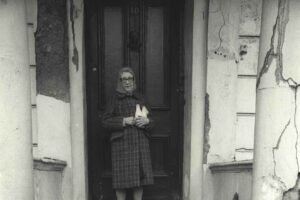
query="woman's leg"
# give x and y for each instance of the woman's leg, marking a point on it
(121, 194)
(137, 193)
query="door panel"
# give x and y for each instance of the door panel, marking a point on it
(135, 33)
(155, 55)
(113, 47)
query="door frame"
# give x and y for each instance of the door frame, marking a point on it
(78, 106)
(180, 74)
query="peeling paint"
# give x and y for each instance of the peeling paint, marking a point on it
(274, 184)
(51, 49)
(73, 13)
(243, 51)
(207, 127)
(283, 18)
(293, 193)
(268, 59)
(279, 29)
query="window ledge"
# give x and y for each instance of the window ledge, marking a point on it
(49, 164)
(233, 167)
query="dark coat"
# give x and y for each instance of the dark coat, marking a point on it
(131, 160)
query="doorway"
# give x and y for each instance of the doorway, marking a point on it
(146, 35)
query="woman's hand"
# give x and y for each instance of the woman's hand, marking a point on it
(129, 121)
(141, 121)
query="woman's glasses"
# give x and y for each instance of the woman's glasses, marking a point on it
(124, 79)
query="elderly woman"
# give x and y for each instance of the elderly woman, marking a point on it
(131, 161)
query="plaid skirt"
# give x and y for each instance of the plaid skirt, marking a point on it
(131, 160)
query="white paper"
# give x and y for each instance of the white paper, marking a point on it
(141, 112)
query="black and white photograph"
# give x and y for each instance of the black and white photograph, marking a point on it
(149, 100)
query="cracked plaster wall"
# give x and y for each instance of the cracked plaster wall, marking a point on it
(229, 30)
(221, 78)
(77, 95)
(233, 41)
(53, 88)
(277, 124)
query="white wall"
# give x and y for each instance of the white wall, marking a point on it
(234, 28)
(50, 117)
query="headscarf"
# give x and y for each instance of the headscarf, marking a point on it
(120, 88)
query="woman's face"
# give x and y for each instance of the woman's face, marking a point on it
(127, 80)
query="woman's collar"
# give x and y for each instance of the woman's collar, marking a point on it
(134, 94)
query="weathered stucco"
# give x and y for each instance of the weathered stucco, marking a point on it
(51, 47)
(77, 103)
(277, 136)
(73, 14)
(206, 145)
(221, 78)
(250, 17)
(16, 163)
(195, 90)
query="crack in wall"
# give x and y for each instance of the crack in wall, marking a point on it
(220, 31)
(75, 57)
(219, 10)
(283, 19)
(244, 149)
(279, 29)
(278, 144)
(296, 128)
(269, 56)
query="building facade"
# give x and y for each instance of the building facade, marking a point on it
(221, 76)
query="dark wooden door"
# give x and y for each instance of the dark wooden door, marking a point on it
(144, 34)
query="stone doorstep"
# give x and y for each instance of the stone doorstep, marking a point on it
(48, 164)
(231, 167)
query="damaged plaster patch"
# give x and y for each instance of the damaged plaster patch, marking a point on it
(250, 17)
(52, 50)
(277, 38)
(286, 156)
(220, 46)
(274, 184)
(75, 57)
(293, 193)
(207, 124)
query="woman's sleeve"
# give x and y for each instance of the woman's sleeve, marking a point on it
(109, 119)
